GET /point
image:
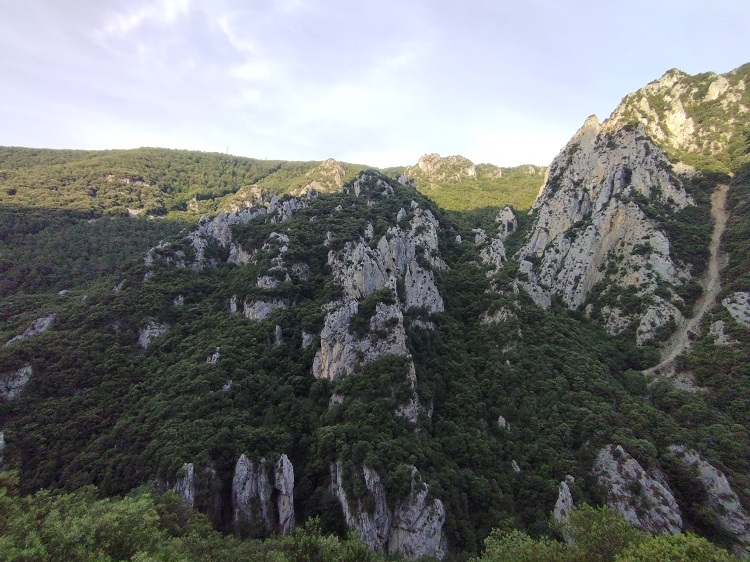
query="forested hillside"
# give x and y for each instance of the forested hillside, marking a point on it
(329, 344)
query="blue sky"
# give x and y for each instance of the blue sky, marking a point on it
(373, 82)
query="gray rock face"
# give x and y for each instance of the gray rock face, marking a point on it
(263, 495)
(564, 503)
(361, 270)
(260, 310)
(507, 222)
(215, 357)
(218, 231)
(307, 339)
(38, 326)
(411, 527)
(587, 219)
(151, 331)
(679, 96)
(284, 484)
(643, 499)
(2, 450)
(185, 485)
(340, 350)
(492, 253)
(738, 305)
(722, 499)
(12, 384)
(435, 168)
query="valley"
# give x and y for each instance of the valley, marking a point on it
(254, 359)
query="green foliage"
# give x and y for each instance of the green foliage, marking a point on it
(600, 535)
(142, 527)
(101, 411)
(675, 548)
(490, 187)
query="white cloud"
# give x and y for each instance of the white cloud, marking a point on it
(162, 12)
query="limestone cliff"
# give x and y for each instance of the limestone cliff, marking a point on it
(405, 255)
(435, 168)
(689, 114)
(589, 226)
(211, 242)
(722, 499)
(410, 527)
(341, 351)
(402, 263)
(644, 499)
(263, 495)
(151, 331)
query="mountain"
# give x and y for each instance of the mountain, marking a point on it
(456, 183)
(328, 341)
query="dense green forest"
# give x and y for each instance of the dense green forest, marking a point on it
(102, 411)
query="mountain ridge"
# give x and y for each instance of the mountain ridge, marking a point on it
(360, 354)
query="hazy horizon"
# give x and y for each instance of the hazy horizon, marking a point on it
(380, 85)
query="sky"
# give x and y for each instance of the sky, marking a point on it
(370, 82)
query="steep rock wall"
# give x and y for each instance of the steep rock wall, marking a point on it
(411, 527)
(722, 499)
(263, 495)
(644, 499)
(588, 225)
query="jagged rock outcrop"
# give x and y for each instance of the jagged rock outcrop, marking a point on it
(722, 499)
(507, 222)
(492, 251)
(185, 485)
(37, 327)
(361, 269)
(644, 499)
(564, 503)
(263, 495)
(410, 527)
(215, 357)
(589, 226)
(341, 350)
(217, 232)
(260, 310)
(326, 177)
(435, 168)
(502, 314)
(151, 331)
(738, 305)
(12, 384)
(669, 108)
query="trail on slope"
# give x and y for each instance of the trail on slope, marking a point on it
(680, 340)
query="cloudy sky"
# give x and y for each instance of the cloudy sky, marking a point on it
(378, 82)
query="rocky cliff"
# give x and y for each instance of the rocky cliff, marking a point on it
(642, 497)
(589, 227)
(261, 500)
(722, 500)
(410, 527)
(686, 114)
(594, 220)
(263, 495)
(12, 384)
